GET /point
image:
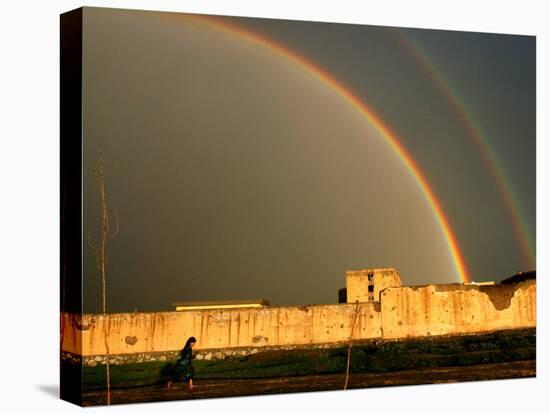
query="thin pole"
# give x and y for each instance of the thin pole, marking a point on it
(350, 342)
(102, 260)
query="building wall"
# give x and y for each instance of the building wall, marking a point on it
(358, 282)
(402, 312)
(451, 309)
(385, 279)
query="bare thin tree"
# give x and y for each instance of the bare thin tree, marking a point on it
(350, 342)
(102, 259)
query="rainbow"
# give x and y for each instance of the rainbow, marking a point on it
(476, 133)
(338, 87)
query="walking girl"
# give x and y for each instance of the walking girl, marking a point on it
(184, 365)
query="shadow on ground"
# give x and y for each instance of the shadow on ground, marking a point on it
(51, 390)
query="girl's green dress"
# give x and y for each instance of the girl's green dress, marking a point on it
(184, 366)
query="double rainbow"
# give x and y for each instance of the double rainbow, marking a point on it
(476, 133)
(340, 89)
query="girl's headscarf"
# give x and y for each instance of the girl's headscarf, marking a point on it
(189, 342)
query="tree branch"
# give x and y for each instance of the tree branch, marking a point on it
(97, 249)
(117, 226)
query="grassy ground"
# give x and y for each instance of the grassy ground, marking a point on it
(366, 357)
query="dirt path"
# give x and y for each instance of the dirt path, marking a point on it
(231, 388)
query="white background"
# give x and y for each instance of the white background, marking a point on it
(29, 206)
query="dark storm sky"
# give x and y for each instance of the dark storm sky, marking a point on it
(236, 174)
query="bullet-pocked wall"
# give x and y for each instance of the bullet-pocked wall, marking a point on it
(452, 309)
(270, 326)
(402, 312)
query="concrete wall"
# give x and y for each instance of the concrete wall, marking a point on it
(385, 279)
(403, 312)
(270, 326)
(451, 309)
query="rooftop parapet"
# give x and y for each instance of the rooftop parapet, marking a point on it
(224, 304)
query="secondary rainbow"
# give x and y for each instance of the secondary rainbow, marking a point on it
(475, 132)
(338, 87)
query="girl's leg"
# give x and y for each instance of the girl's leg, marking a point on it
(191, 386)
(174, 378)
